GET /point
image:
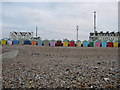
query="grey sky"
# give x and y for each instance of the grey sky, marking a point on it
(59, 20)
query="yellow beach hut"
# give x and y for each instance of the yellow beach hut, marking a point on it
(65, 43)
(3, 41)
(115, 44)
(79, 43)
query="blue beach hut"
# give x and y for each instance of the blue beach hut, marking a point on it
(27, 42)
(104, 44)
(15, 42)
(39, 42)
(85, 43)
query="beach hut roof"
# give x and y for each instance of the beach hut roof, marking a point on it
(27, 40)
(109, 41)
(115, 41)
(52, 40)
(8, 39)
(46, 40)
(90, 40)
(104, 40)
(78, 41)
(59, 40)
(85, 41)
(15, 40)
(65, 40)
(97, 40)
(39, 40)
(72, 40)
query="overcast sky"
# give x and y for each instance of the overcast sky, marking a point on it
(59, 20)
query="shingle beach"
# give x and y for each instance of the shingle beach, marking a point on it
(60, 67)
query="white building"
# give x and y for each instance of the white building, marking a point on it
(112, 36)
(21, 35)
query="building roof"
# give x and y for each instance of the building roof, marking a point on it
(22, 33)
(106, 33)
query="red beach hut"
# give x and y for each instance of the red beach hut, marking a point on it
(72, 43)
(59, 43)
(109, 44)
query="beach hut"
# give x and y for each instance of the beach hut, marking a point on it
(85, 43)
(52, 43)
(115, 44)
(21, 41)
(39, 42)
(27, 42)
(91, 43)
(118, 43)
(78, 43)
(72, 43)
(33, 42)
(9, 42)
(59, 43)
(97, 43)
(65, 43)
(104, 43)
(15, 42)
(109, 44)
(46, 42)
(3, 41)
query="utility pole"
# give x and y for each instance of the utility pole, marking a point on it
(77, 32)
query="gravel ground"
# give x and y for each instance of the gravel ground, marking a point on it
(60, 67)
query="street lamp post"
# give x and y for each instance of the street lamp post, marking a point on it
(77, 32)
